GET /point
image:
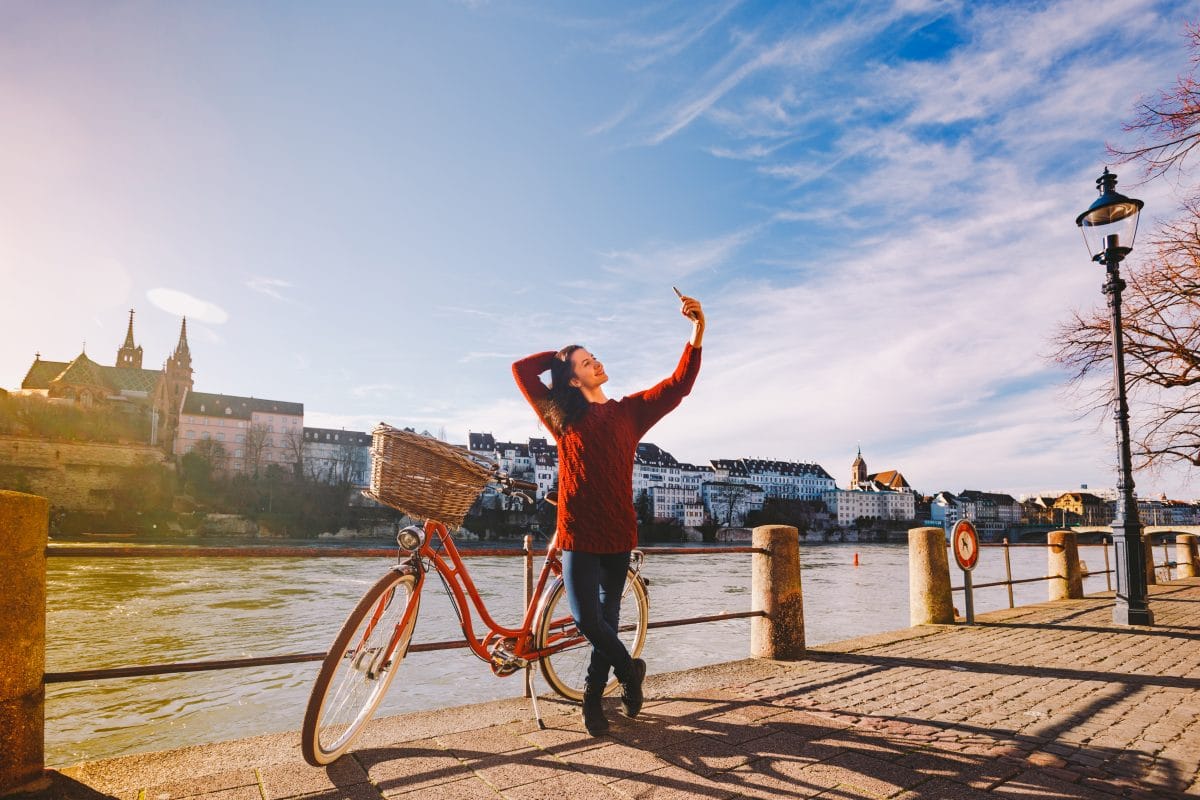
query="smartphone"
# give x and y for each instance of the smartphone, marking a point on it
(680, 296)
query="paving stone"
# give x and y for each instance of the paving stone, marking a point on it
(520, 767)
(288, 781)
(614, 762)
(231, 785)
(566, 786)
(671, 783)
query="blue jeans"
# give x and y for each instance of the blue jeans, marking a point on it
(594, 584)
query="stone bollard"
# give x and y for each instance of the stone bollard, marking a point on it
(929, 599)
(775, 589)
(1063, 562)
(1186, 555)
(1148, 555)
(24, 520)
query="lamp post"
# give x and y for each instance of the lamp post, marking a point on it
(1109, 226)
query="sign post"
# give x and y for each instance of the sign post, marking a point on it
(964, 541)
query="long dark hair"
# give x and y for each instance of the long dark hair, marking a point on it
(566, 404)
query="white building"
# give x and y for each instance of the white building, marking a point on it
(783, 480)
(789, 480)
(848, 505)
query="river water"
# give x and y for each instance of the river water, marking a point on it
(110, 612)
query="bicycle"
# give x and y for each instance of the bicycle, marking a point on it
(415, 473)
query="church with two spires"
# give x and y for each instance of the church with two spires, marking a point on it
(157, 393)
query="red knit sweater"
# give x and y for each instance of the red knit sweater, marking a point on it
(595, 454)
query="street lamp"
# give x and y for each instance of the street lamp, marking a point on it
(1109, 227)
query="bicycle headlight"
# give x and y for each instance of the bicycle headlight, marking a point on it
(410, 538)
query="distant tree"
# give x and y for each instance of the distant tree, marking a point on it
(727, 497)
(213, 452)
(293, 448)
(258, 437)
(200, 466)
(644, 507)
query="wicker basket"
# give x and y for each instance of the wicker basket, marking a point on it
(423, 477)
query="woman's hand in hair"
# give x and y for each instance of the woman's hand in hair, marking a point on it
(691, 308)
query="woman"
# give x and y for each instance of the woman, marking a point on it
(597, 525)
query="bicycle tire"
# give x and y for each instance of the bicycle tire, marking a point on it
(566, 669)
(349, 686)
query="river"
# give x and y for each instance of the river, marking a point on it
(110, 612)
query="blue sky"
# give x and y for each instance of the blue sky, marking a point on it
(374, 209)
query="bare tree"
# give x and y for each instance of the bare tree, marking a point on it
(258, 437)
(1161, 306)
(348, 462)
(212, 452)
(727, 498)
(1168, 130)
(293, 446)
(1162, 347)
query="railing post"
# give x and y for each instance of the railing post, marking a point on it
(1148, 548)
(776, 591)
(1063, 563)
(1008, 573)
(929, 600)
(528, 562)
(24, 520)
(1186, 555)
(1107, 568)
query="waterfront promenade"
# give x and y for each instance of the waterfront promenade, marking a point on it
(1043, 701)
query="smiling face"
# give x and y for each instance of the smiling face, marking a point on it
(586, 370)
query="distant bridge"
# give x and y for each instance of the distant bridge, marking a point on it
(1026, 534)
(1147, 530)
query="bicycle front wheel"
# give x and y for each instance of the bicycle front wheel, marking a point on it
(359, 667)
(565, 667)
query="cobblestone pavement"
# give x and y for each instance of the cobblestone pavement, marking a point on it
(1046, 701)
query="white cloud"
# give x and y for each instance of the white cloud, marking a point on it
(372, 390)
(666, 262)
(269, 286)
(183, 304)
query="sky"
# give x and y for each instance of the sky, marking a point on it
(374, 209)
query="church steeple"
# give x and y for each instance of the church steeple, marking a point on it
(181, 349)
(130, 355)
(858, 471)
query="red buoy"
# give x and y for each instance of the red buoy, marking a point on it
(856, 559)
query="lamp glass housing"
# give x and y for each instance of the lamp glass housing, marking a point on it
(1111, 221)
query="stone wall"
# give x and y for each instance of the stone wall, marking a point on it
(74, 476)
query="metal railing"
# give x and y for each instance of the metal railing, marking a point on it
(527, 552)
(1009, 581)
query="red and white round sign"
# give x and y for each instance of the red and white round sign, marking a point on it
(964, 541)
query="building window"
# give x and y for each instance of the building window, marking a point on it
(191, 434)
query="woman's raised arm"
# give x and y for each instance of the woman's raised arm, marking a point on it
(526, 372)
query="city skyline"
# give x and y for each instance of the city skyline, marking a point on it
(376, 213)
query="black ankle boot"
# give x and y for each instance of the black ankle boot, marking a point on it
(593, 711)
(631, 688)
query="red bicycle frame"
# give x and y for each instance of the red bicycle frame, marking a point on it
(447, 562)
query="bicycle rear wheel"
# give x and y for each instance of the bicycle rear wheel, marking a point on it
(565, 669)
(359, 667)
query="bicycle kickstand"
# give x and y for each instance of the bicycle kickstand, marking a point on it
(529, 687)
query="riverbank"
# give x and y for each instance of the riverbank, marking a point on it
(116, 612)
(1048, 700)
